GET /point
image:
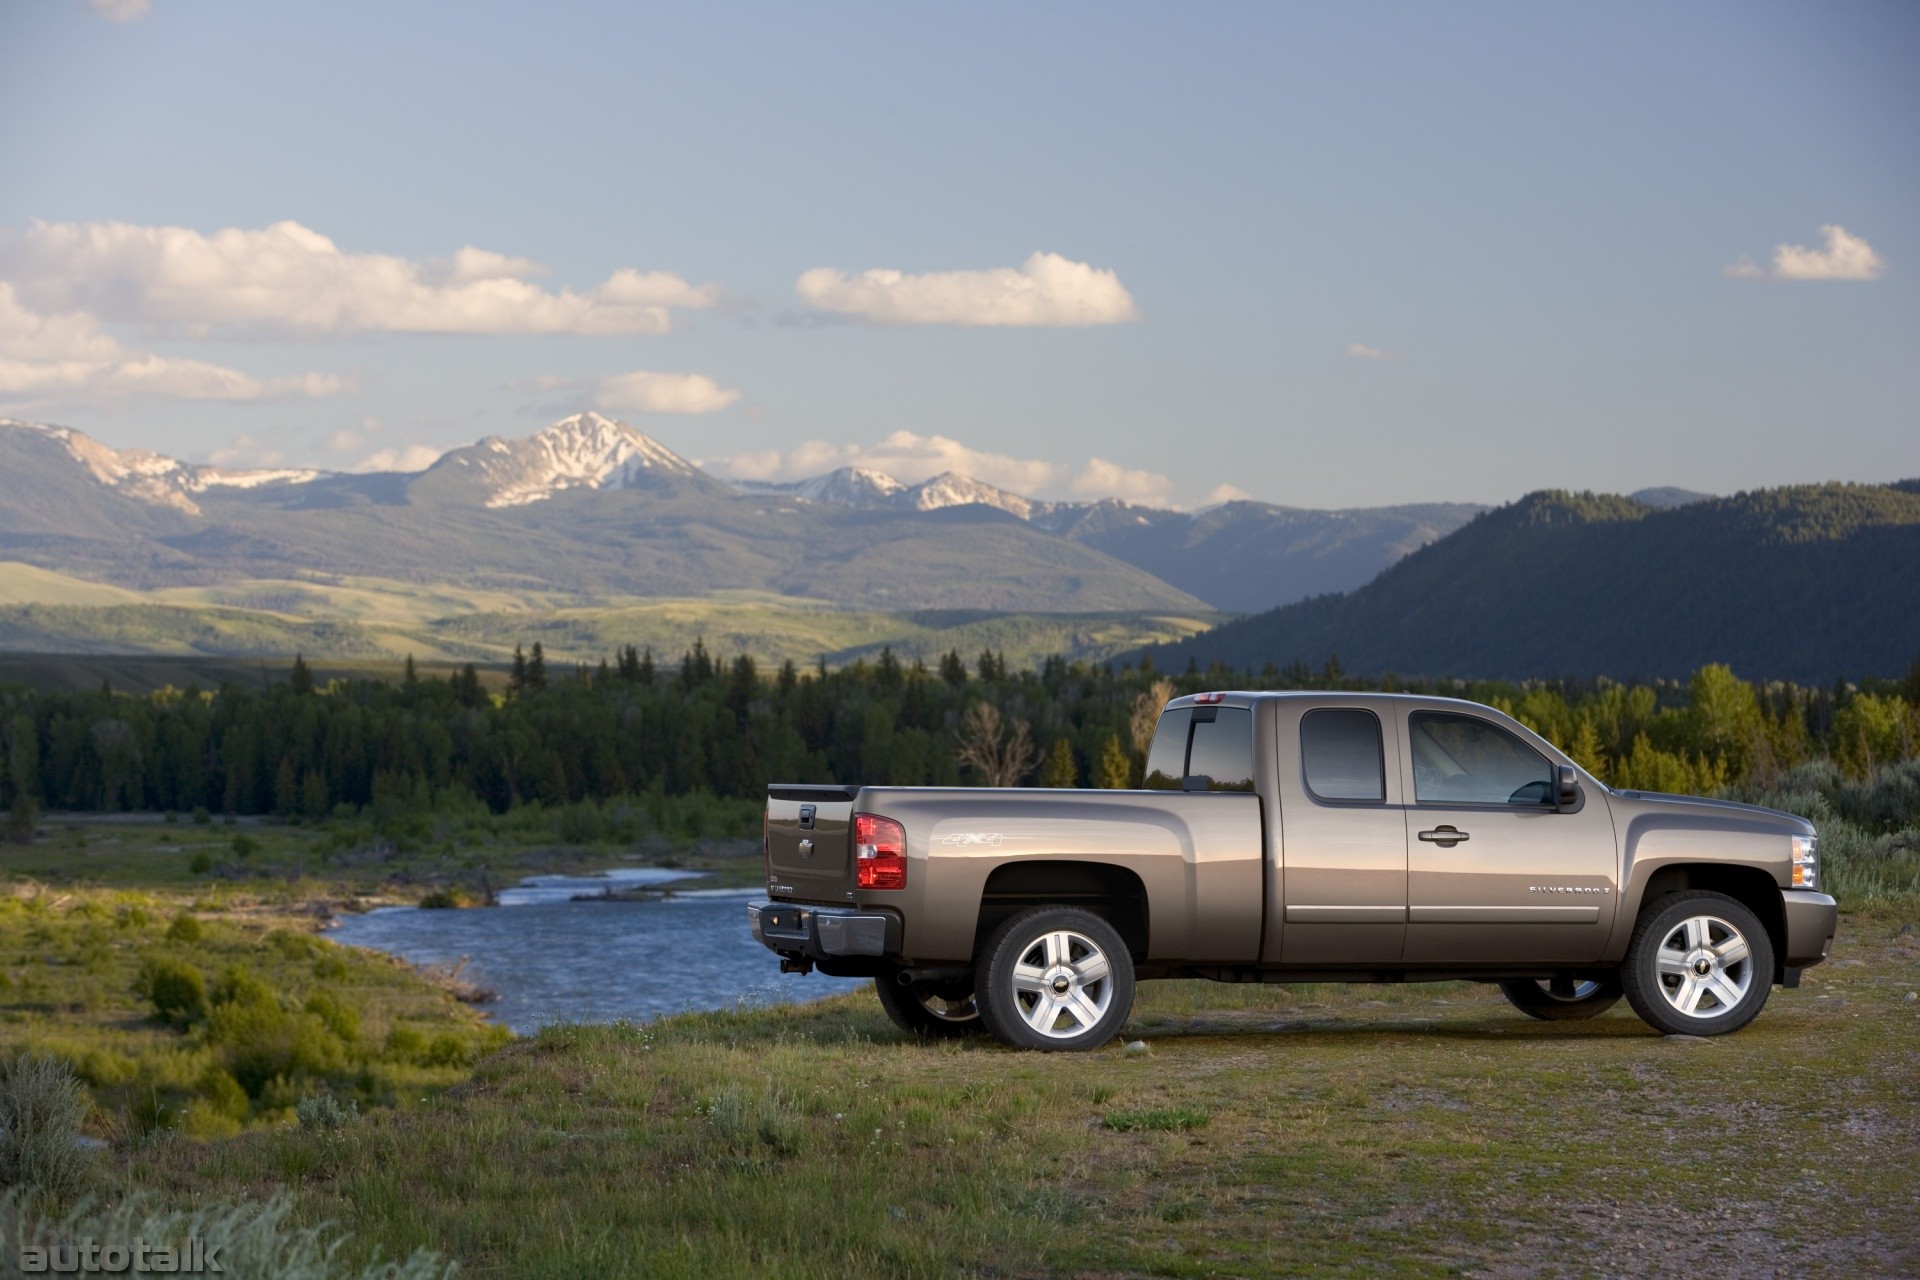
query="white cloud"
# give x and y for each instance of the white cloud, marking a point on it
(244, 451)
(1221, 493)
(289, 281)
(411, 457)
(66, 357)
(912, 458)
(1046, 289)
(1361, 351)
(644, 392)
(1844, 257)
(121, 10)
(351, 439)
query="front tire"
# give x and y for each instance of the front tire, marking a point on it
(932, 1011)
(1699, 964)
(1054, 978)
(1562, 998)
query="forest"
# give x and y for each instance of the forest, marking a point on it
(725, 728)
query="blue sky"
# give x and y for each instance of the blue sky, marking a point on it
(1328, 256)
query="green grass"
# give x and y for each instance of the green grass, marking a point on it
(210, 1013)
(366, 619)
(1269, 1130)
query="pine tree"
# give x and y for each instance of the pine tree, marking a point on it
(517, 681)
(1059, 770)
(537, 668)
(302, 679)
(953, 668)
(1115, 769)
(789, 676)
(412, 678)
(888, 673)
(646, 666)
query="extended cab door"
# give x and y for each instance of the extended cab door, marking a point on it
(1495, 873)
(1343, 835)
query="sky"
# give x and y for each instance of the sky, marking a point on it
(1318, 255)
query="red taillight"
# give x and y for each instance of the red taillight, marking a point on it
(879, 851)
(1208, 699)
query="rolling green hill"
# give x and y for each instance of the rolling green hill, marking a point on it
(1809, 583)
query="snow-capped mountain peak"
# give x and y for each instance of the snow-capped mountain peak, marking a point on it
(584, 451)
(950, 489)
(155, 478)
(859, 487)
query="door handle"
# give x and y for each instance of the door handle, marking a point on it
(1444, 836)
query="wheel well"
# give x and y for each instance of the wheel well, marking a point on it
(1113, 893)
(1749, 886)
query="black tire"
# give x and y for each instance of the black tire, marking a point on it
(932, 1011)
(1679, 955)
(1563, 998)
(1051, 958)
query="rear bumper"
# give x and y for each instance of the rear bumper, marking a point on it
(823, 933)
(1811, 919)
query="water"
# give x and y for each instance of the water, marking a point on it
(556, 960)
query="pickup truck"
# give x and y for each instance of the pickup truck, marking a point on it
(1295, 837)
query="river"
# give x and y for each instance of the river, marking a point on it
(555, 959)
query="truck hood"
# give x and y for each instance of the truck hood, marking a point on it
(1699, 806)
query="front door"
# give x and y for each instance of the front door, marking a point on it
(1494, 872)
(1344, 840)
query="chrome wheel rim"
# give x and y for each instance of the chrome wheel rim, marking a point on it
(1568, 990)
(945, 1010)
(1062, 984)
(1705, 967)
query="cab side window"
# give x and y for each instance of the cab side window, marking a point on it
(1466, 760)
(1341, 754)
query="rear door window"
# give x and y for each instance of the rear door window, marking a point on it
(1342, 757)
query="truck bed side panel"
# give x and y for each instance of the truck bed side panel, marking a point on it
(1198, 855)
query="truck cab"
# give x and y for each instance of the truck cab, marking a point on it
(1296, 837)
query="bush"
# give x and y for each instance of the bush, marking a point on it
(254, 1240)
(324, 1111)
(42, 1105)
(185, 928)
(245, 846)
(201, 817)
(440, 900)
(200, 864)
(178, 992)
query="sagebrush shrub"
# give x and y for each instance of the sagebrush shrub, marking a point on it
(42, 1105)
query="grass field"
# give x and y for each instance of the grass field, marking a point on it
(1266, 1131)
(366, 620)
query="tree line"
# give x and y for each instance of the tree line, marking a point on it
(725, 728)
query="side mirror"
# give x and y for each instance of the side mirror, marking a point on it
(1566, 787)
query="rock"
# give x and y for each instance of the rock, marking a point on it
(1137, 1049)
(1911, 995)
(1906, 929)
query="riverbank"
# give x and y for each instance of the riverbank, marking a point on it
(1415, 1130)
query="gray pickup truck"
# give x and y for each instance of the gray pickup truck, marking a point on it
(1295, 837)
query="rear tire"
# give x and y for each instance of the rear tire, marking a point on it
(1563, 999)
(1699, 964)
(930, 1010)
(1054, 978)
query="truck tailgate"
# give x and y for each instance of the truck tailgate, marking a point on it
(810, 842)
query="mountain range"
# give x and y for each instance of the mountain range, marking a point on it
(592, 507)
(1807, 582)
